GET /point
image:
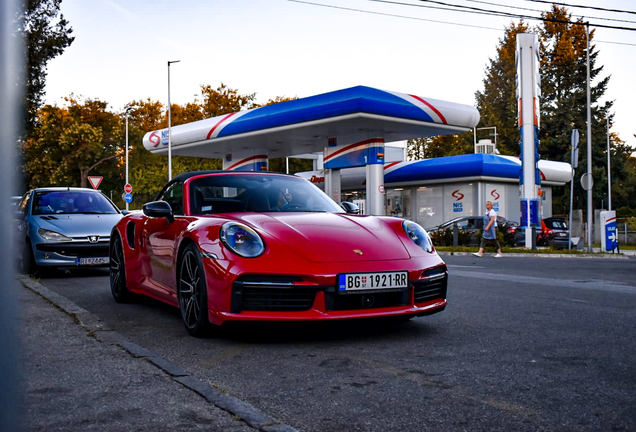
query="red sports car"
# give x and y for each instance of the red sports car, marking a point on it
(250, 246)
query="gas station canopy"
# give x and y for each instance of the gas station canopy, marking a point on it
(305, 125)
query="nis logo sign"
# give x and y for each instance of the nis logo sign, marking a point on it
(495, 194)
(458, 207)
(158, 137)
(457, 195)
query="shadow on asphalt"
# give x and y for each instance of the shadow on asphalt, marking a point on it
(273, 332)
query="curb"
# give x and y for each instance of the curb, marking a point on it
(96, 328)
(538, 255)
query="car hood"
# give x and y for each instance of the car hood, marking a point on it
(330, 237)
(78, 225)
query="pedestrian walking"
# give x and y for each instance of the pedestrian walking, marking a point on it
(490, 231)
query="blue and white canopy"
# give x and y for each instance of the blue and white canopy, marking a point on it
(304, 125)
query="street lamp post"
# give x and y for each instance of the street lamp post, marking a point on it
(170, 125)
(127, 113)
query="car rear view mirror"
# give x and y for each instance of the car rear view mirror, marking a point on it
(159, 209)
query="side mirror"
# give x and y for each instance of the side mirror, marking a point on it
(350, 207)
(159, 209)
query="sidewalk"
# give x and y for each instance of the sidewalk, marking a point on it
(624, 255)
(80, 376)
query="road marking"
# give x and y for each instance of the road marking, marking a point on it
(463, 266)
(593, 284)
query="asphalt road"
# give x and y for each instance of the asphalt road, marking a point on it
(525, 344)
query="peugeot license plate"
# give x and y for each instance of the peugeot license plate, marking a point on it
(372, 281)
(93, 261)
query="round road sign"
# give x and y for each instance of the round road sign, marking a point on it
(587, 181)
(128, 188)
(128, 198)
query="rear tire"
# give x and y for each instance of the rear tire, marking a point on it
(192, 293)
(118, 286)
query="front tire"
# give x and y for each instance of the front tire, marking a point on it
(192, 293)
(27, 262)
(118, 286)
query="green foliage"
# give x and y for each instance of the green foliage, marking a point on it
(46, 34)
(444, 237)
(563, 108)
(440, 146)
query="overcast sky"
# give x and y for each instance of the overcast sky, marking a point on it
(288, 48)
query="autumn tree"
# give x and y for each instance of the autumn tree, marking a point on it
(563, 103)
(440, 146)
(46, 34)
(70, 142)
(497, 103)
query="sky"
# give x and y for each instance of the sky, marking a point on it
(300, 48)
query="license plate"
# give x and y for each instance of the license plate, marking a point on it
(93, 261)
(372, 281)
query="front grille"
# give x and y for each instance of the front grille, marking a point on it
(271, 293)
(433, 287)
(368, 300)
(77, 250)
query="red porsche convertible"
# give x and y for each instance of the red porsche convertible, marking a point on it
(250, 246)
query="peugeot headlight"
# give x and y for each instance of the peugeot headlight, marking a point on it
(53, 236)
(418, 235)
(241, 239)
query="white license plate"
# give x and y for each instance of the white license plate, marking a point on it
(93, 261)
(372, 281)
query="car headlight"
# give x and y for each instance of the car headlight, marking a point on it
(241, 239)
(418, 235)
(52, 236)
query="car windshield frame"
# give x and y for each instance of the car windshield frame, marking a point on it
(53, 202)
(221, 193)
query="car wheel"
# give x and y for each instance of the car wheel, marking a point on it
(192, 293)
(27, 263)
(118, 272)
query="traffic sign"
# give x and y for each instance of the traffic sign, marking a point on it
(128, 188)
(587, 181)
(95, 181)
(128, 198)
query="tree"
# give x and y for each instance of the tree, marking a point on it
(440, 146)
(497, 103)
(563, 102)
(70, 142)
(46, 35)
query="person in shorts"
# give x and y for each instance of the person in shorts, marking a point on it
(490, 231)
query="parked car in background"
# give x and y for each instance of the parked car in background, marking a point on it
(554, 233)
(64, 227)
(470, 230)
(251, 246)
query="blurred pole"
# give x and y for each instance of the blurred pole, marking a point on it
(170, 124)
(609, 168)
(590, 212)
(11, 104)
(127, 115)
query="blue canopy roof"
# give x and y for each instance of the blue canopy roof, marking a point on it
(304, 125)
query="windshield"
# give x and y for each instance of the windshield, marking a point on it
(556, 224)
(229, 193)
(72, 202)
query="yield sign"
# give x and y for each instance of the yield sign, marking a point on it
(95, 181)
